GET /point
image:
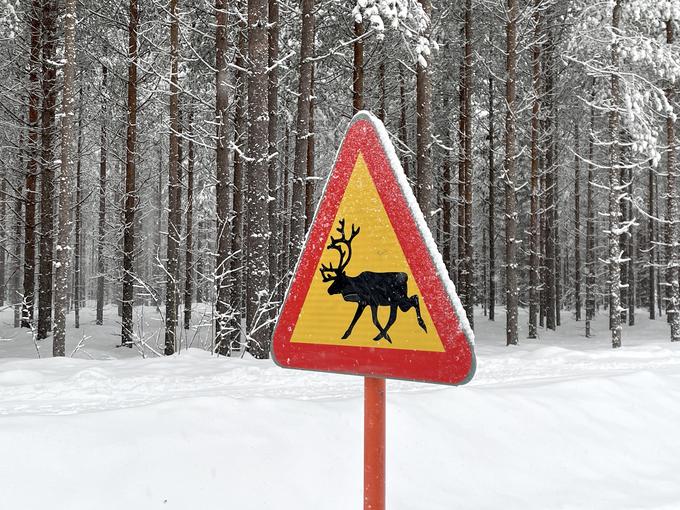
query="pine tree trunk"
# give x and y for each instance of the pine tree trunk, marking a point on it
(549, 239)
(273, 127)
(467, 87)
(297, 221)
(32, 168)
(533, 226)
(309, 181)
(189, 252)
(492, 206)
(424, 176)
(15, 293)
(651, 246)
(357, 69)
(590, 230)
(127, 332)
(49, 106)
(614, 190)
(577, 224)
(77, 259)
(446, 189)
(64, 225)
(222, 277)
(3, 233)
(102, 205)
(403, 126)
(239, 249)
(673, 214)
(174, 189)
(257, 274)
(511, 287)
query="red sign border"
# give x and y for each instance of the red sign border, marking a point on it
(456, 365)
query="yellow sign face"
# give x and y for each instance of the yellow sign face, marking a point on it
(325, 318)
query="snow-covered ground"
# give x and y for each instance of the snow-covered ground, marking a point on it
(564, 422)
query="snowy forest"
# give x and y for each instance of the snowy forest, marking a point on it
(168, 156)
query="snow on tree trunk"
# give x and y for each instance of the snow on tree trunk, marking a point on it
(127, 332)
(257, 291)
(511, 287)
(614, 256)
(102, 203)
(64, 223)
(174, 190)
(49, 106)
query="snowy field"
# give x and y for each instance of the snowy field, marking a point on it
(564, 422)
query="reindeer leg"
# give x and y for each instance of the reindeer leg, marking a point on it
(357, 314)
(416, 304)
(390, 321)
(383, 333)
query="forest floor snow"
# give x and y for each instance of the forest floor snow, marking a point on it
(562, 422)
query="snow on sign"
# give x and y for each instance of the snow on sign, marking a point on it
(370, 295)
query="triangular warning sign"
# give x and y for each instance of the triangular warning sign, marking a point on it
(370, 294)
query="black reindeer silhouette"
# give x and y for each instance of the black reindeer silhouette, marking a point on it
(368, 288)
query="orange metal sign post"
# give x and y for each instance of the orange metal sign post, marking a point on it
(374, 443)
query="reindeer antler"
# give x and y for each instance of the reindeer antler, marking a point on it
(337, 243)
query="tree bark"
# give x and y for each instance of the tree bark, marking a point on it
(189, 251)
(358, 68)
(222, 304)
(535, 122)
(467, 137)
(64, 228)
(273, 127)
(102, 204)
(673, 215)
(297, 221)
(309, 181)
(403, 126)
(424, 177)
(77, 258)
(651, 246)
(614, 189)
(127, 331)
(174, 189)
(590, 229)
(492, 205)
(49, 106)
(577, 224)
(32, 167)
(258, 308)
(511, 288)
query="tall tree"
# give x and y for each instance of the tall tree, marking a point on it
(577, 224)
(424, 176)
(467, 137)
(590, 227)
(511, 287)
(127, 331)
(49, 109)
(272, 133)
(614, 209)
(673, 213)
(32, 167)
(258, 145)
(492, 205)
(102, 201)
(222, 343)
(534, 181)
(78, 249)
(297, 221)
(64, 229)
(189, 250)
(174, 190)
